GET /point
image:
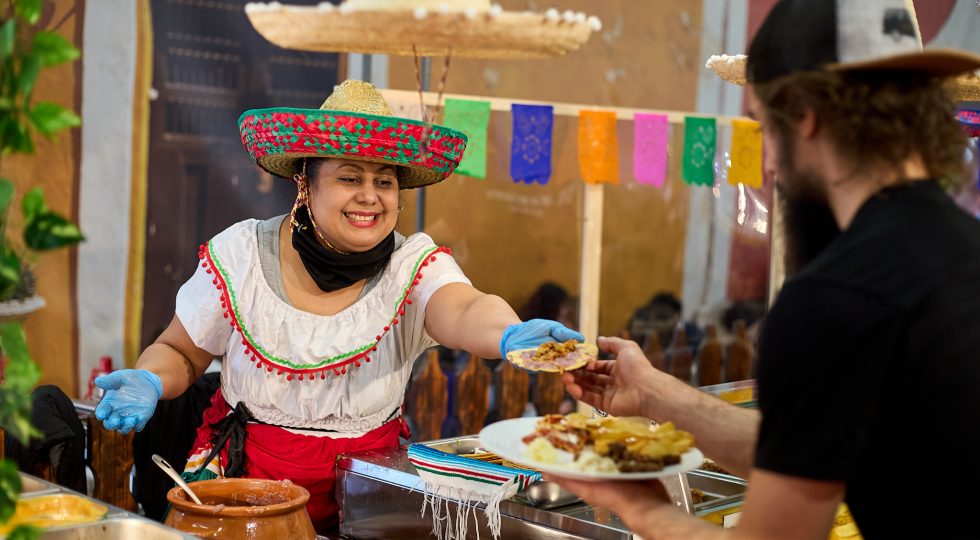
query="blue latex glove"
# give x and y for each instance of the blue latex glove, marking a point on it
(530, 334)
(130, 399)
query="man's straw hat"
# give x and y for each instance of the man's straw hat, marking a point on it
(461, 28)
(847, 35)
(731, 69)
(355, 122)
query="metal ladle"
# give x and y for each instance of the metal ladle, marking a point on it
(162, 463)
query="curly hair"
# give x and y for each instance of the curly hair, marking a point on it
(874, 119)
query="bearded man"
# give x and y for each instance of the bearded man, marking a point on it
(869, 360)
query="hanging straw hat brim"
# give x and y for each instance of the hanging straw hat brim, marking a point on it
(279, 138)
(485, 34)
(942, 62)
(966, 87)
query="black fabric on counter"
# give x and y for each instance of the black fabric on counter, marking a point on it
(62, 443)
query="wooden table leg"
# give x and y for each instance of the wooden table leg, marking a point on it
(111, 458)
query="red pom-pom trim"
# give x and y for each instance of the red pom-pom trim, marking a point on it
(255, 356)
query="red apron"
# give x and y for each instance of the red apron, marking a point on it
(274, 453)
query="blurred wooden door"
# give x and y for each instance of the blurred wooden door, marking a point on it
(210, 65)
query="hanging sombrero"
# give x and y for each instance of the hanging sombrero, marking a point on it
(461, 28)
(355, 122)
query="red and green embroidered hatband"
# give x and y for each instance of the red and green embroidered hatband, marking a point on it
(355, 122)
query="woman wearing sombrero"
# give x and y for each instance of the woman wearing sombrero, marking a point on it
(319, 314)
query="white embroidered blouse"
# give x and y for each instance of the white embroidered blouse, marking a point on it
(345, 372)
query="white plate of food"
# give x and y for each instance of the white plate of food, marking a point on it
(582, 448)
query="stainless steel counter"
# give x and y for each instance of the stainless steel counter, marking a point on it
(381, 498)
(118, 523)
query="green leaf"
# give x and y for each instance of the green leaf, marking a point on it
(30, 67)
(16, 138)
(29, 10)
(8, 131)
(14, 344)
(53, 48)
(15, 402)
(33, 204)
(51, 231)
(8, 35)
(49, 118)
(23, 374)
(25, 532)
(15, 413)
(6, 194)
(10, 488)
(9, 272)
(20, 376)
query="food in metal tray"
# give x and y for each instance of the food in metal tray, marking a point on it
(611, 444)
(59, 509)
(711, 466)
(554, 357)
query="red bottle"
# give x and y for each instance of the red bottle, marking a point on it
(104, 368)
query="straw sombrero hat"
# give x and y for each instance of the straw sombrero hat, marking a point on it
(355, 122)
(462, 28)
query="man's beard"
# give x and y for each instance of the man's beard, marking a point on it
(808, 223)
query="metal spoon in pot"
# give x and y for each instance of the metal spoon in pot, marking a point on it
(162, 463)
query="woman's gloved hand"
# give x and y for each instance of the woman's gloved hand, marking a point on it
(131, 397)
(530, 334)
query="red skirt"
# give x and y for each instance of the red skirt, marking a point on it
(274, 453)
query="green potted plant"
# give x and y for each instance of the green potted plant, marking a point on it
(24, 52)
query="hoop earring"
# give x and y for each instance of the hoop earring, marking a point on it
(301, 199)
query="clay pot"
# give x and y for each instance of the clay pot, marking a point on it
(242, 508)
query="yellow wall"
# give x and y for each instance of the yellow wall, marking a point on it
(51, 332)
(507, 240)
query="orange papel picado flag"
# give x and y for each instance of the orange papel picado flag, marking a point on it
(598, 151)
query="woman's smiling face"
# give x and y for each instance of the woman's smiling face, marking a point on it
(354, 203)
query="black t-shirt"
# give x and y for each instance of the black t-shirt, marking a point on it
(870, 367)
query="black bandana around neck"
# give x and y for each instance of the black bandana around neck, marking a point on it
(331, 270)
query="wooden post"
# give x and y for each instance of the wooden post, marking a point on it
(511, 390)
(548, 393)
(591, 268)
(111, 457)
(428, 398)
(472, 395)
